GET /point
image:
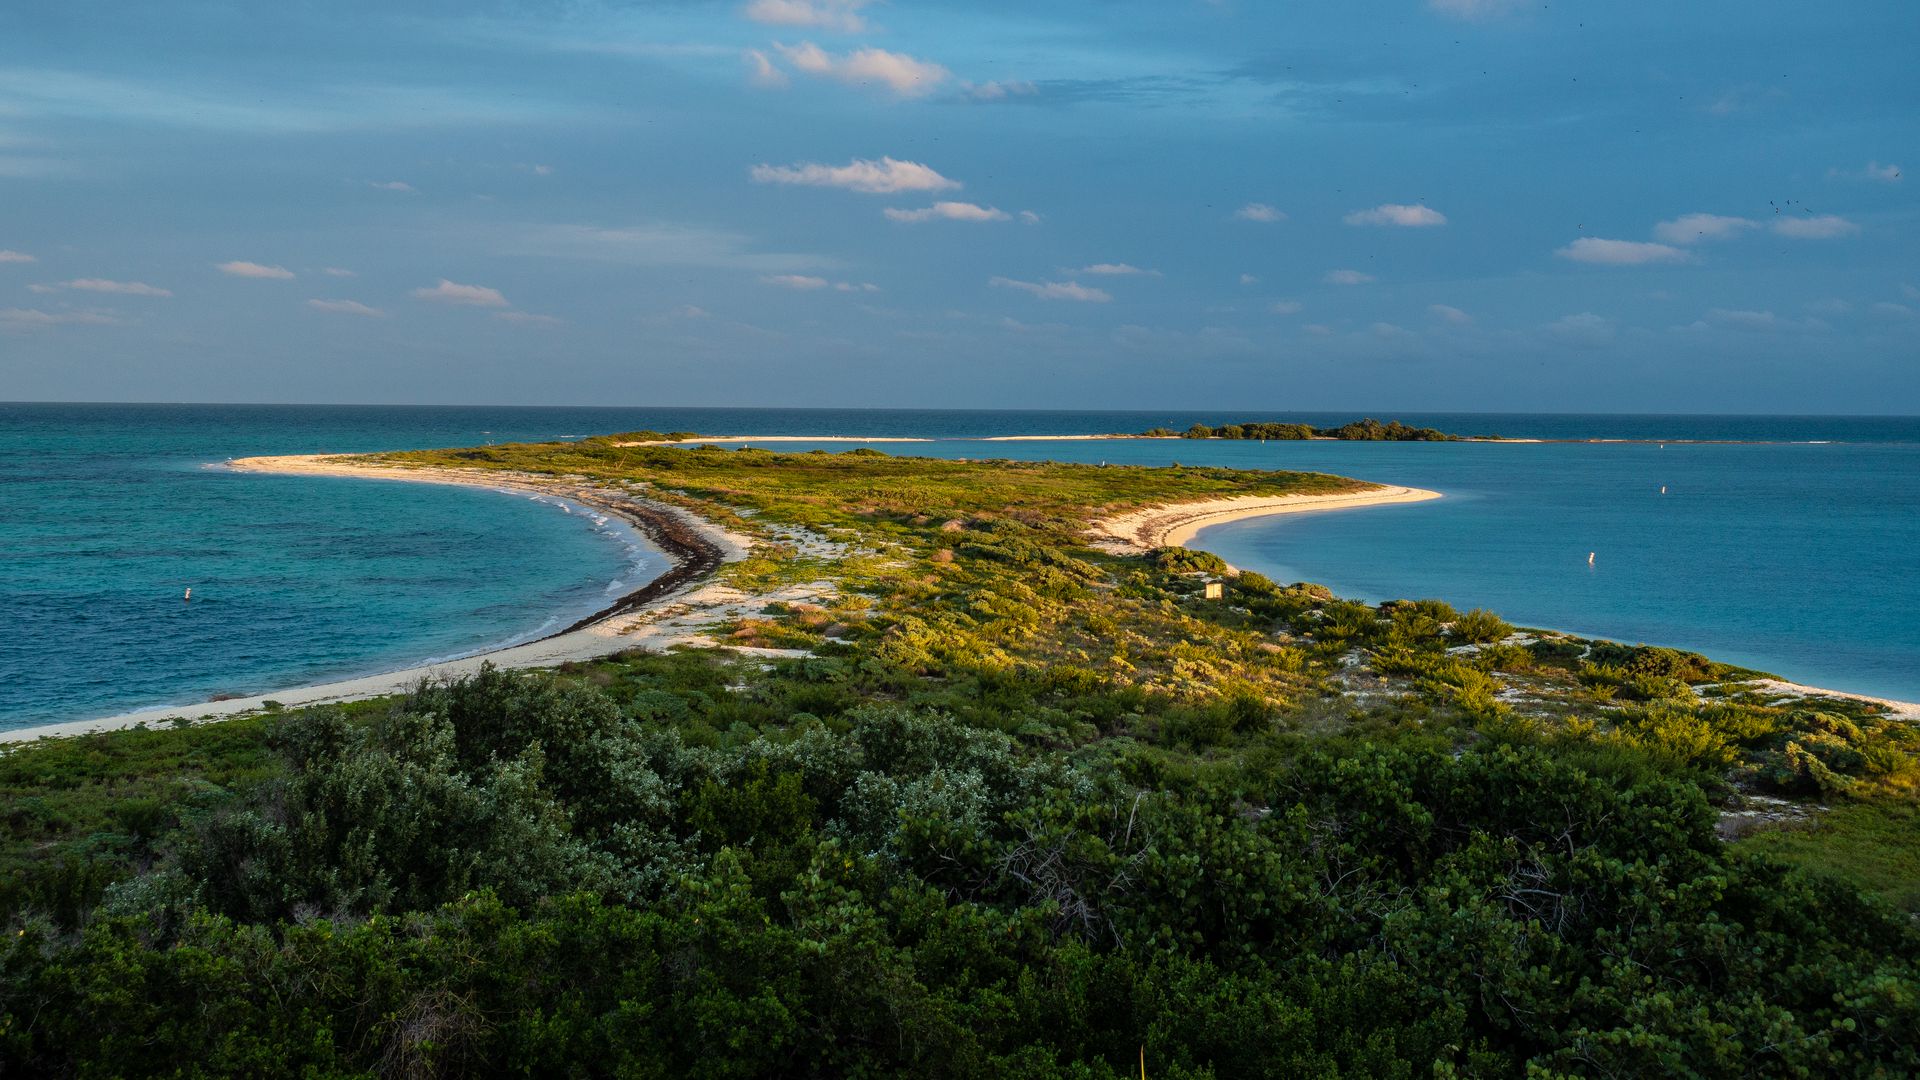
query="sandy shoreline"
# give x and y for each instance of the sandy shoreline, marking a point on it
(1171, 526)
(676, 607)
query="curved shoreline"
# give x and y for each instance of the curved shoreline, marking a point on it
(1174, 525)
(695, 547)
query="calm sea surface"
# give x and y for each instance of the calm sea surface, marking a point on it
(1799, 554)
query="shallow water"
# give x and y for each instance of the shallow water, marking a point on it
(1801, 557)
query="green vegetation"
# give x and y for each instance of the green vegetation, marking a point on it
(1368, 430)
(1018, 807)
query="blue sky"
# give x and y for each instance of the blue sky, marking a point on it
(1378, 204)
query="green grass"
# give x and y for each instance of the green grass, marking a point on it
(1874, 845)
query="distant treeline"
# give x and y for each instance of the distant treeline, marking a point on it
(1368, 430)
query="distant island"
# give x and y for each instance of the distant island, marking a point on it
(1367, 430)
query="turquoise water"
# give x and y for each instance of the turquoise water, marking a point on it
(1800, 556)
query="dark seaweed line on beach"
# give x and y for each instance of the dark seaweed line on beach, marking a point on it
(693, 556)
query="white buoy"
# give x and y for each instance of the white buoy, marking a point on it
(1589, 558)
(189, 595)
(1663, 489)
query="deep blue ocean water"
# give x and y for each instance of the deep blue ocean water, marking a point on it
(1797, 553)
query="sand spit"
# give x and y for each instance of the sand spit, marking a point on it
(1176, 524)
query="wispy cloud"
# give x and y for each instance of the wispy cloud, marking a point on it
(1447, 313)
(16, 257)
(898, 73)
(1821, 227)
(346, 307)
(656, 244)
(1347, 277)
(839, 15)
(335, 271)
(527, 318)
(762, 72)
(448, 292)
(122, 288)
(1055, 290)
(1592, 249)
(1249, 279)
(1117, 270)
(1399, 214)
(1028, 217)
(1476, 10)
(240, 268)
(810, 282)
(1259, 211)
(887, 176)
(1585, 328)
(35, 319)
(1876, 172)
(1286, 307)
(950, 211)
(1694, 228)
(391, 185)
(999, 91)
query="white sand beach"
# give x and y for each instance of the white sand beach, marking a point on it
(1178, 523)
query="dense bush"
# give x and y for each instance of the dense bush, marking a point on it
(506, 874)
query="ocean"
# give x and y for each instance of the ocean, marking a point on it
(1790, 544)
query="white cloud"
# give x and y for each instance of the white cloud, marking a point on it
(335, 271)
(1318, 329)
(448, 292)
(1055, 290)
(1347, 277)
(1475, 10)
(16, 257)
(904, 75)
(239, 268)
(693, 311)
(886, 176)
(1831, 306)
(124, 288)
(1892, 310)
(1259, 211)
(346, 307)
(526, 318)
(1117, 270)
(1411, 217)
(761, 71)
(1745, 320)
(1249, 279)
(1823, 227)
(951, 211)
(1028, 217)
(1693, 228)
(1592, 249)
(795, 281)
(1884, 174)
(1450, 314)
(391, 185)
(35, 319)
(1585, 328)
(1000, 91)
(840, 15)
(1286, 307)
(852, 286)
(658, 244)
